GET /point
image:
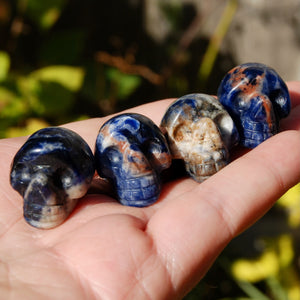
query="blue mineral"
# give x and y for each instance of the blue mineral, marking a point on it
(131, 152)
(51, 171)
(256, 97)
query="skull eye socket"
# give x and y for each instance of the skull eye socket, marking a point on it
(157, 154)
(67, 178)
(22, 169)
(279, 101)
(183, 132)
(113, 155)
(21, 175)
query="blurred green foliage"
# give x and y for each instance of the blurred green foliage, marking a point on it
(63, 60)
(44, 13)
(51, 70)
(263, 262)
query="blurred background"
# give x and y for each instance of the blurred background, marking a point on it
(63, 60)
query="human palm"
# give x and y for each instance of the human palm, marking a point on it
(108, 251)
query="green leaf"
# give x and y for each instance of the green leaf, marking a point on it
(277, 289)
(4, 65)
(54, 98)
(251, 290)
(28, 88)
(11, 106)
(70, 78)
(125, 84)
(46, 12)
(46, 98)
(31, 125)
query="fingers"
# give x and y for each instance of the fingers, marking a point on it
(191, 230)
(88, 129)
(293, 120)
(294, 90)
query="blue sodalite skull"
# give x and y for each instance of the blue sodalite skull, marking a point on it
(131, 152)
(200, 132)
(52, 170)
(256, 98)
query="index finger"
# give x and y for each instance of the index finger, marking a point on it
(294, 90)
(192, 229)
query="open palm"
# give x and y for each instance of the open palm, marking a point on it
(108, 251)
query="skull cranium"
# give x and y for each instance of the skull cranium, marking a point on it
(199, 132)
(131, 152)
(52, 170)
(256, 98)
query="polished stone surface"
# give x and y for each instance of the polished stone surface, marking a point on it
(51, 171)
(131, 152)
(200, 132)
(256, 97)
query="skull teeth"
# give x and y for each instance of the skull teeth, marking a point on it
(200, 172)
(257, 135)
(145, 188)
(252, 138)
(48, 216)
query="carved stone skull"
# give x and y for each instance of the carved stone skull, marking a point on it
(51, 171)
(131, 152)
(200, 132)
(256, 98)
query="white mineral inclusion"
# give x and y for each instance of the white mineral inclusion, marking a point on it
(200, 132)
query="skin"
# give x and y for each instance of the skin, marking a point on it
(108, 251)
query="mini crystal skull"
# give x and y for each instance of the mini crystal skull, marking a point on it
(131, 152)
(52, 170)
(200, 132)
(256, 98)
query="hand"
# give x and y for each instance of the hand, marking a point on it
(108, 251)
